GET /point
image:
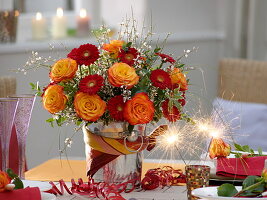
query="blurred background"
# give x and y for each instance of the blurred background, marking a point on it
(220, 29)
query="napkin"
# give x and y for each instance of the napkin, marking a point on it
(29, 193)
(240, 167)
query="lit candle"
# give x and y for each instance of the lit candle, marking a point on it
(39, 30)
(59, 25)
(83, 24)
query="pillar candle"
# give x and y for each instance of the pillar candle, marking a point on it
(59, 25)
(83, 24)
(39, 30)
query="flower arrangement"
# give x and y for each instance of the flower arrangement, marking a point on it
(123, 79)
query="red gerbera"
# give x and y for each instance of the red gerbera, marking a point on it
(160, 79)
(172, 114)
(166, 58)
(128, 56)
(86, 54)
(91, 84)
(115, 107)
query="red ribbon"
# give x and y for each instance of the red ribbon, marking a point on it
(154, 178)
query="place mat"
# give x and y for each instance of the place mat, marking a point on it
(56, 169)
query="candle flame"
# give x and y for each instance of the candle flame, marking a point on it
(38, 16)
(83, 13)
(59, 12)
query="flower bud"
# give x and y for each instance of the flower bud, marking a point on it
(218, 148)
(264, 174)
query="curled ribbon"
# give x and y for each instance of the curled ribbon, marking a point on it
(154, 178)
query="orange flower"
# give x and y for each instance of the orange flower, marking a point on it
(89, 107)
(122, 74)
(63, 69)
(139, 110)
(218, 148)
(178, 79)
(4, 180)
(113, 47)
(54, 99)
(264, 174)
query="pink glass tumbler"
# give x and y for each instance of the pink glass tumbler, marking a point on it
(8, 108)
(22, 122)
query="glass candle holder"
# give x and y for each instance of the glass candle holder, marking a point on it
(8, 26)
(196, 176)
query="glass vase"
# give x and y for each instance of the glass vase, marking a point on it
(22, 122)
(109, 143)
(8, 108)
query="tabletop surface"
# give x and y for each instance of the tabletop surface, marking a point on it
(167, 193)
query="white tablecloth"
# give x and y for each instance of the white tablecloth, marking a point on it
(172, 193)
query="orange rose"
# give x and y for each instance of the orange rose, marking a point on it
(178, 79)
(89, 107)
(4, 180)
(63, 69)
(54, 99)
(139, 110)
(122, 74)
(113, 47)
(218, 148)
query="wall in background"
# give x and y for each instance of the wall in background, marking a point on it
(204, 24)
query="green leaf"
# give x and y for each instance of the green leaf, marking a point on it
(238, 147)
(157, 49)
(260, 151)
(250, 180)
(16, 180)
(18, 183)
(11, 174)
(226, 190)
(246, 148)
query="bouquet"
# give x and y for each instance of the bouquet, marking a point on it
(118, 80)
(123, 79)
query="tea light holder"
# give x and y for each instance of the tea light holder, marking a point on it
(197, 176)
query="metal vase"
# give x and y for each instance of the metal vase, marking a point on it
(124, 167)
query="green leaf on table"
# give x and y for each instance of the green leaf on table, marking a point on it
(226, 190)
(250, 180)
(18, 183)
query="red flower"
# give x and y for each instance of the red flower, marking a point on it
(115, 107)
(91, 84)
(182, 101)
(86, 54)
(128, 56)
(166, 58)
(160, 79)
(73, 54)
(172, 114)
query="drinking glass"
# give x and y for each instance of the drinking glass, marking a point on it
(22, 122)
(8, 108)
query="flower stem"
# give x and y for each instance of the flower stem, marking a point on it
(249, 188)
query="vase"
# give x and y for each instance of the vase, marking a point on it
(113, 154)
(22, 122)
(8, 108)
